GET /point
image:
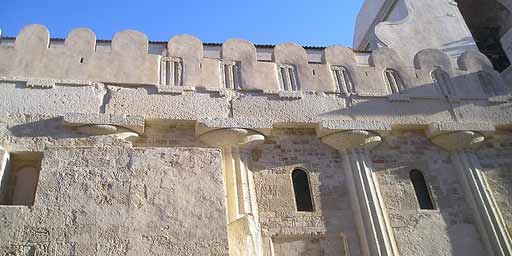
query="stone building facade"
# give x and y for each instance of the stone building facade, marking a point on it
(132, 147)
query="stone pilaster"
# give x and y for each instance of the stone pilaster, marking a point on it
(4, 165)
(374, 231)
(243, 228)
(461, 145)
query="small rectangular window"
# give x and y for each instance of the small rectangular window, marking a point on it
(288, 75)
(230, 75)
(171, 71)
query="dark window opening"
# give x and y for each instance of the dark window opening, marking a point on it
(302, 191)
(19, 180)
(422, 191)
(488, 21)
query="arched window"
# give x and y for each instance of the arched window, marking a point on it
(394, 81)
(421, 189)
(342, 79)
(302, 191)
(443, 81)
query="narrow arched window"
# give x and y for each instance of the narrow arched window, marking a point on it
(302, 191)
(443, 81)
(342, 79)
(422, 191)
(394, 81)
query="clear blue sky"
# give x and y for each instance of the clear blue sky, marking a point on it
(317, 23)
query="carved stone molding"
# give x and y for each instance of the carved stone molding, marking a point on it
(118, 126)
(104, 123)
(101, 129)
(232, 137)
(458, 140)
(353, 139)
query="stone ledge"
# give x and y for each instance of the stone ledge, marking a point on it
(435, 129)
(134, 123)
(326, 127)
(399, 98)
(290, 95)
(47, 83)
(166, 89)
(208, 124)
(500, 99)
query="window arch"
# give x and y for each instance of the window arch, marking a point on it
(421, 190)
(443, 81)
(394, 81)
(342, 79)
(301, 188)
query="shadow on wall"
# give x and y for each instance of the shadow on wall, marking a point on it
(449, 228)
(326, 230)
(435, 91)
(458, 47)
(427, 108)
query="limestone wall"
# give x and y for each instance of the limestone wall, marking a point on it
(121, 201)
(124, 159)
(329, 228)
(424, 232)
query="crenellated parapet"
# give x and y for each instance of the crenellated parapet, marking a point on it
(183, 66)
(128, 61)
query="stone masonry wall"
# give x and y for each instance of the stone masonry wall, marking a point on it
(121, 201)
(330, 227)
(496, 160)
(424, 232)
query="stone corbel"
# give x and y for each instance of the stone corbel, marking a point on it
(228, 137)
(452, 141)
(205, 125)
(354, 139)
(121, 127)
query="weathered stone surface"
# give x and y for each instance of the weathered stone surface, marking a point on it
(122, 201)
(186, 148)
(424, 232)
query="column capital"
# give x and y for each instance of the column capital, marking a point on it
(353, 139)
(229, 137)
(459, 140)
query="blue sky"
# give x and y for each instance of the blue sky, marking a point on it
(317, 23)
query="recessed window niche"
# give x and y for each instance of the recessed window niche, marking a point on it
(18, 181)
(302, 190)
